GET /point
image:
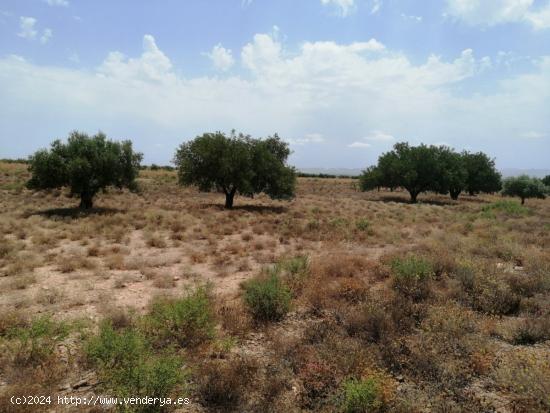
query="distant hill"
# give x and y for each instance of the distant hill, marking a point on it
(331, 171)
(506, 172)
(539, 173)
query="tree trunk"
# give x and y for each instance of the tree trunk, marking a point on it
(414, 195)
(454, 195)
(229, 199)
(86, 201)
(522, 200)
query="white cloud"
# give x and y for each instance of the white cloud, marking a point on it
(359, 145)
(63, 3)
(46, 36)
(344, 7)
(27, 28)
(152, 65)
(321, 92)
(494, 12)
(308, 138)
(532, 135)
(376, 6)
(379, 136)
(413, 18)
(221, 57)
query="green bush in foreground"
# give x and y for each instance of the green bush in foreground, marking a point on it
(187, 321)
(360, 396)
(411, 277)
(33, 343)
(267, 298)
(128, 367)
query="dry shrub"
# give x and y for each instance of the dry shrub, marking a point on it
(74, 262)
(118, 318)
(532, 331)
(21, 282)
(526, 375)
(318, 379)
(486, 292)
(351, 290)
(11, 319)
(223, 384)
(49, 297)
(197, 257)
(371, 322)
(155, 240)
(334, 266)
(234, 318)
(164, 281)
(115, 262)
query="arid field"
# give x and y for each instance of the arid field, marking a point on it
(441, 306)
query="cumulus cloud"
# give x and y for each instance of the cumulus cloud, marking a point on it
(27, 28)
(336, 90)
(222, 58)
(152, 65)
(344, 7)
(494, 12)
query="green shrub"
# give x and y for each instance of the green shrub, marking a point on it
(507, 207)
(360, 396)
(362, 224)
(411, 277)
(33, 343)
(295, 270)
(128, 367)
(186, 321)
(267, 298)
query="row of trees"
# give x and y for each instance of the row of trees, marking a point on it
(432, 168)
(240, 164)
(212, 162)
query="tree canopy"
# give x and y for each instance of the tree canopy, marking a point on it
(432, 168)
(482, 174)
(86, 164)
(236, 164)
(524, 187)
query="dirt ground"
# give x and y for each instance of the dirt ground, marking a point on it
(474, 337)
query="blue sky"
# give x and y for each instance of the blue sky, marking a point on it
(340, 80)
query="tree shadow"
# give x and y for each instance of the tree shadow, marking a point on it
(428, 201)
(250, 208)
(74, 212)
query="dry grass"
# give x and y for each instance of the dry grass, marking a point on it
(449, 300)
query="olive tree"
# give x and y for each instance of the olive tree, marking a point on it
(524, 187)
(546, 181)
(236, 164)
(452, 172)
(85, 164)
(482, 173)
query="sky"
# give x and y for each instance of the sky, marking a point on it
(340, 80)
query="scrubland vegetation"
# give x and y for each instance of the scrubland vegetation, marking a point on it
(338, 300)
